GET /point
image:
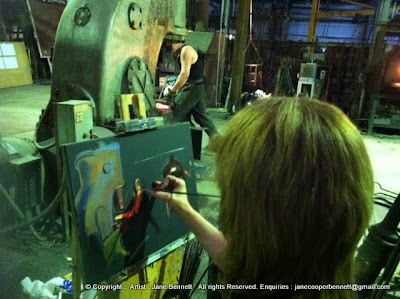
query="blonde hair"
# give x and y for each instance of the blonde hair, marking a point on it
(296, 194)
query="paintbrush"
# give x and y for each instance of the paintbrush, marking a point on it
(185, 193)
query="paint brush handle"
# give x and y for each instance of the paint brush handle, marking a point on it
(186, 193)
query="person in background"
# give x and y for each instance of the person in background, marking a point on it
(188, 94)
(296, 189)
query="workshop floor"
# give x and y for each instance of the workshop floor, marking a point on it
(22, 255)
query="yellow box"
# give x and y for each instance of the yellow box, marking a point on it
(123, 103)
(134, 102)
(140, 102)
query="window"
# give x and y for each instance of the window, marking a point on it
(8, 57)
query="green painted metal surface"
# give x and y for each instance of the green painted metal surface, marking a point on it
(95, 44)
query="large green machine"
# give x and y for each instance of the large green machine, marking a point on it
(108, 49)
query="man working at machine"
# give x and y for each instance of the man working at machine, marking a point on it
(187, 95)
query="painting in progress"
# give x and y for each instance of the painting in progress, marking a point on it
(118, 223)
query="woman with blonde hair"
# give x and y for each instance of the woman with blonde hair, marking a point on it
(296, 196)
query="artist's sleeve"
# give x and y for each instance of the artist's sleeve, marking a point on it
(186, 63)
(210, 237)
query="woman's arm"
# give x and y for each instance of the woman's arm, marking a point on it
(211, 238)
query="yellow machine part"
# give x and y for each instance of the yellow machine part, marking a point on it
(136, 101)
(140, 102)
(162, 272)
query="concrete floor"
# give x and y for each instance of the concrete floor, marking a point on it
(21, 255)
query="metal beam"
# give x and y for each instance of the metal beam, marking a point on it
(202, 15)
(312, 29)
(239, 53)
(345, 13)
(358, 3)
(316, 14)
(376, 51)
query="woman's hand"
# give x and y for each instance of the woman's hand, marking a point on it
(165, 190)
(212, 239)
